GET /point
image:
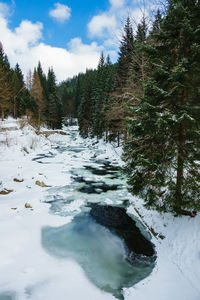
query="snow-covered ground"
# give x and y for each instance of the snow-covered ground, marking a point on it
(28, 272)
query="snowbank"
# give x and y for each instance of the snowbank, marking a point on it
(31, 273)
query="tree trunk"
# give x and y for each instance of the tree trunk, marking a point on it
(106, 136)
(118, 139)
(2, 114)
(39, 120)
(125, 135)
(180, 164)
(14, 109)
(180, 160)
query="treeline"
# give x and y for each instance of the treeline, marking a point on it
(37, 98)
(150, 101)
(86, 97)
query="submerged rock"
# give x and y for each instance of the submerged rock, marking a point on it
(118, 222)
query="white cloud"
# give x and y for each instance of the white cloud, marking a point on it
(117, 3)
(101, 25)
(108, 25)
(4, 9)
(60, 13)
(24, 45)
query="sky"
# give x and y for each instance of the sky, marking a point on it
(68, 35)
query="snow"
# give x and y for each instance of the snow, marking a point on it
(29, 272)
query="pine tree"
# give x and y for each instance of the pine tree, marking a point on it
(4, 59)
(37, 93)
(6, 91)
(19, 88)
(99, 97)
(125, 54)
(43, 81)
(163, 148)
(54, 119)
(85, 111)
(117, 111)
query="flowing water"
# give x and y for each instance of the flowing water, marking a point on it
(102, 255)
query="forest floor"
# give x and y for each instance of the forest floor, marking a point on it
(28, 272)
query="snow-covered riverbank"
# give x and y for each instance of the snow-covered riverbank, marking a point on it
(28, 272)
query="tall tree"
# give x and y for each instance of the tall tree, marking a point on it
(37, 93)
(161, 154)
(85, 112)
(99, 97)
(54, 118)
(117, 111)
(19, 88)
(125, 54)
(6, 91)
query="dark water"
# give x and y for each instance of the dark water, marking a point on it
(8, 296)
(102, 255)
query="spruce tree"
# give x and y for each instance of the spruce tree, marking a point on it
(85, 111)
(6, 92)
(99, 98)
(125, 54)
(54, 119)
(37, 93)
(19, 89)
(43, 81)
(117, 111)
(161, 154)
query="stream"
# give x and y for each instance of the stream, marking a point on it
(96, 182)
(102, 254)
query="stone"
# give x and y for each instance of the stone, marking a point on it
(18, 180)
(5, 192)
(41, 183)
(27, 205)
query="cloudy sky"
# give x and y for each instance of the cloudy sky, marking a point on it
(68, 35)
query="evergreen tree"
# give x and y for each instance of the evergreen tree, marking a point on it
(99, 97)
(157, 21)
(37, 93)
(54, 105)
(4, 59)
(6, 92)
(43, 81)
(125, 54)
(77, 95)
(85, 112)
(117, 112)
(162, 151)
(19, 88)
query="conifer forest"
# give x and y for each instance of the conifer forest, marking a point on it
(148, 102)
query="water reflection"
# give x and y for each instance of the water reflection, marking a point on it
(101, 254)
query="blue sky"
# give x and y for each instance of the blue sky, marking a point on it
(68, 35)
(57, 33)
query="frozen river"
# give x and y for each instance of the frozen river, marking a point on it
(98, 263)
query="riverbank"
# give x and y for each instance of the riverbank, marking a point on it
(29, 272)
